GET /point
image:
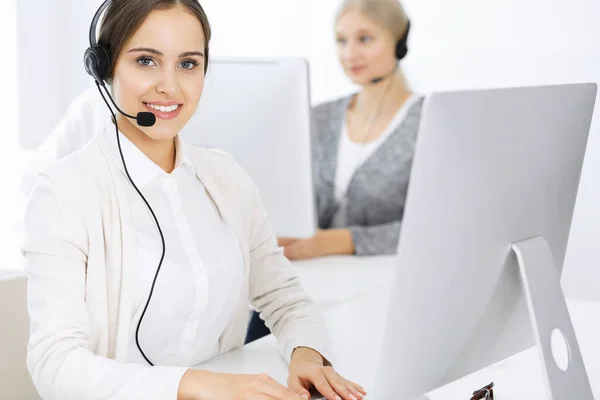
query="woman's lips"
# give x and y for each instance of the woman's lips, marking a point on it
(164, 114)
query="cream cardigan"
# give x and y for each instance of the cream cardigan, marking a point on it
(80, 259)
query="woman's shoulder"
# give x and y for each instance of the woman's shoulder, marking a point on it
(415, 106)
(223, 177)
(78, 171)
(332, 108)
(209, 156)
(418, 100)
(216, 164)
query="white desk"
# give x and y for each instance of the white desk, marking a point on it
(356, 328)
(336, 279)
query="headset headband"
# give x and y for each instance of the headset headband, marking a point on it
(93, 42)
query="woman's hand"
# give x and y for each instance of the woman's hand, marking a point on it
(206, 385)
(299, 249)
(307, 371)
(323, 243)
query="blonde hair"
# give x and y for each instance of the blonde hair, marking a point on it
(388, 14)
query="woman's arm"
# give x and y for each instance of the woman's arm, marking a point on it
(358, 240)
(274, 284)
(275, 291)
(323, 243)
(59, 358)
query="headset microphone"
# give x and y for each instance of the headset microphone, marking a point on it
(379, 79)
(97, 61)
(400, 53)
(143, 118)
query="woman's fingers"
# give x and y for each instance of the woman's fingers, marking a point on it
(285, 241)
(275, 390)
(339, 384)
(357, 390)
(296, 385)
(295, 250)
(322, 385)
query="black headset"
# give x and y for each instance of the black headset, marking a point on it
(97, 61)
(96, 58)
(400, 53)
(402, 45)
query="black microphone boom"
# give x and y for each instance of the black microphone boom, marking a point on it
(380, 78)
(143, 118)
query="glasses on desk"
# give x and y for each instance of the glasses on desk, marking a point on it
(485, 393)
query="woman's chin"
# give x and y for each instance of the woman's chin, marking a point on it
(158, 132)
(359, 81)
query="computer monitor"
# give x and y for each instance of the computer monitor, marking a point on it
(258, 110)
(491, 168)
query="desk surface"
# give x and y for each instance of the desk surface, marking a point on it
(356, 328)
(336, 279)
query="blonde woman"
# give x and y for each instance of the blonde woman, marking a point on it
(365, 141)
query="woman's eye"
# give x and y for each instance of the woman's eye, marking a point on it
(340, 41)
(189, 64)
(145, 61)
(365, 39)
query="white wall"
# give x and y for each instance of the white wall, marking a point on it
(52, 37)
(8, 116)
(454, 45)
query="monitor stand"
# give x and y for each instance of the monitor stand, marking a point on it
(548, 313)
(549, 316)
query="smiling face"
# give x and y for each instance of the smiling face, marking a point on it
(161, 70)
(365, 49)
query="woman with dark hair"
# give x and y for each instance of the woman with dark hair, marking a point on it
(106, 322)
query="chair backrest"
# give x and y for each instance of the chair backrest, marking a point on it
(15, 380)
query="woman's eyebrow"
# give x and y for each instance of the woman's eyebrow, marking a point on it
(192, 53)
(159, 53)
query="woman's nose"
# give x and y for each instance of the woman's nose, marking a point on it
(168, 83)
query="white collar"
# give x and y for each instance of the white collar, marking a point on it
(141, 168)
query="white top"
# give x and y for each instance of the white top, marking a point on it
(199, 282)
(352, 155)
(81, 253)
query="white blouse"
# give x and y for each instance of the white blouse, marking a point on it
(352, 155)
(199, 282)
(80, 247)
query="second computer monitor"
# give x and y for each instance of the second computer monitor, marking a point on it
(492, 168)
(258, 111)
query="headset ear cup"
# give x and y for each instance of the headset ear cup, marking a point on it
(402, 45)
(96, 61)
(103, 62)
(401, 50)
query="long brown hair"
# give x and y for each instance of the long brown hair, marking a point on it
(122, 18)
